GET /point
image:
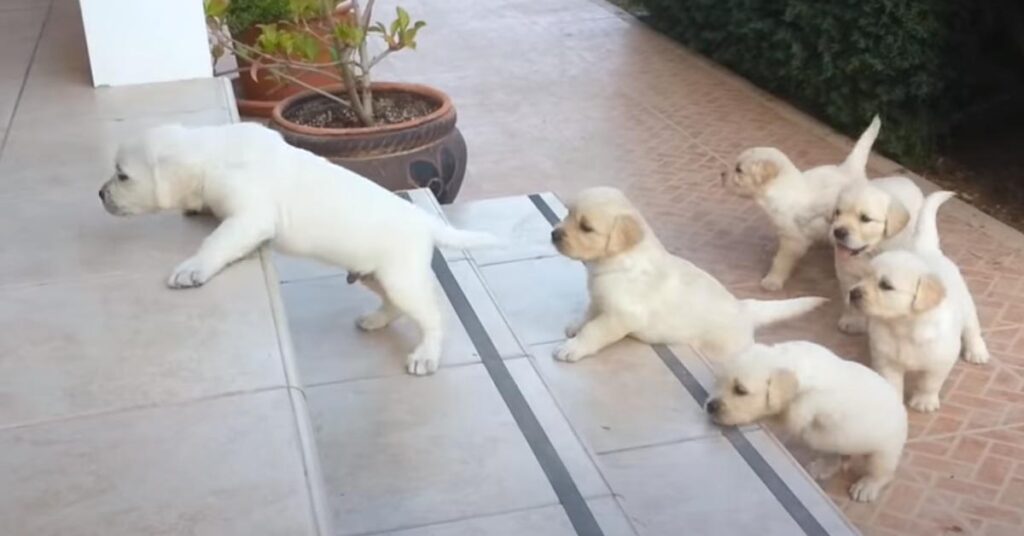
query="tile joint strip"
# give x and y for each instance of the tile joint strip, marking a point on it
(778, 488)
(554, 468)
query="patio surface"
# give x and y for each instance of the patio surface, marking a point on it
(564, 94)
(553, 95)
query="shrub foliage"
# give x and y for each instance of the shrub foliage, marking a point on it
(844, 60)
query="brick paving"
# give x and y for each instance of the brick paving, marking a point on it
(562, 94)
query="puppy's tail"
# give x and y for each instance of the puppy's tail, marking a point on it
(765, 312)
(448, 236)
(926, 235)
(856, 163)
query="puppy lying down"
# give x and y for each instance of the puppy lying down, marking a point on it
(799, 203)
(922, 316)
(637, 288)
(837, 407)
(870, 217)
(264, 190)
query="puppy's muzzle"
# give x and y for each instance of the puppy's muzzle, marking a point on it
(557, 235)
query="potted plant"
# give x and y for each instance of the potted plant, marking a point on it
(400, 135)
(258, 93)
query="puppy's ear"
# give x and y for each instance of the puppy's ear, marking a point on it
(930, 292)
(626, 232)
(782, 388)
(896, 218)
(764, 171)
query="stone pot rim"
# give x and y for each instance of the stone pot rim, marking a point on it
(277, 114)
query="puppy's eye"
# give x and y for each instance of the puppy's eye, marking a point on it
(885, 285)
(865, 219)
(122, 176)
(585, 227)
(739, 170)
(739, 390)
(835, 214)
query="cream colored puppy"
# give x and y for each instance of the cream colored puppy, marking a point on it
(837, 407)
(799, 203)
(637, 288)
(922, 316)
(869, 218)
(264, 190)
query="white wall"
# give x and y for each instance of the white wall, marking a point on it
(142, 41)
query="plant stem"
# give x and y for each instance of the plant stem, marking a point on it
(348, 76)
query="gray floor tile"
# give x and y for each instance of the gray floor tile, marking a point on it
(544, 521)
(75, 157)
(572, 453)
(329, 347)
(515, 220)
(100, 344)
(696, 487)
(404, 451)
(19, 31)
(539, 297)
(71, 238)
(221, 466)
(624, 397)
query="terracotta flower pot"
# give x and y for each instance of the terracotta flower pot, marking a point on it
(426, 152)
(257, 97)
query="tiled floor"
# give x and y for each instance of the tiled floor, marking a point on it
(450, 454)
(563, 94)
(125, 408)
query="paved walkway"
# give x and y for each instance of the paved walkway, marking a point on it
(127, 408)
(562, 94)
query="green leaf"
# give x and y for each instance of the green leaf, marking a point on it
(403, 18)
(351, 36)
(307, 46)
(378, 28)
(215, 8)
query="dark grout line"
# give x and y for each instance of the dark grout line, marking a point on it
(24, 80)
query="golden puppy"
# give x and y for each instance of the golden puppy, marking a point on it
(639, 289)
(837, 407)
(798, 203)
(922, 314)
(869, 218)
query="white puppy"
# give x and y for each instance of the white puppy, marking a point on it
(870, 217)
(799, 203)
(638, 288)
(837, 407)
(921, 313)
(265, 190)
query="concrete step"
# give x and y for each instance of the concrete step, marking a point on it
(505, 440)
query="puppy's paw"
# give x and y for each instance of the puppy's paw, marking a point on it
(977, 354)
(772, 282)
(570, 352)
(853, 324)
(374, 321)
(422, 362)
(191, 273)
(924, 402)
(825, 467)
(866, 489)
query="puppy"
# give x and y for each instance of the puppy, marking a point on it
(870, 217)
(638, 288)
(921, 314)
(798, 202)
(837, 407)
(264, 190)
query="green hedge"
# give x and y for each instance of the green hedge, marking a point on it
(844, 60)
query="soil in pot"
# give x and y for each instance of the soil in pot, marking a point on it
(389, 108)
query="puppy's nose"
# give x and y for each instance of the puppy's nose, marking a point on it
(840, 233)
(856, 294)
(713, 406)
(557, 234)
(103, 195)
